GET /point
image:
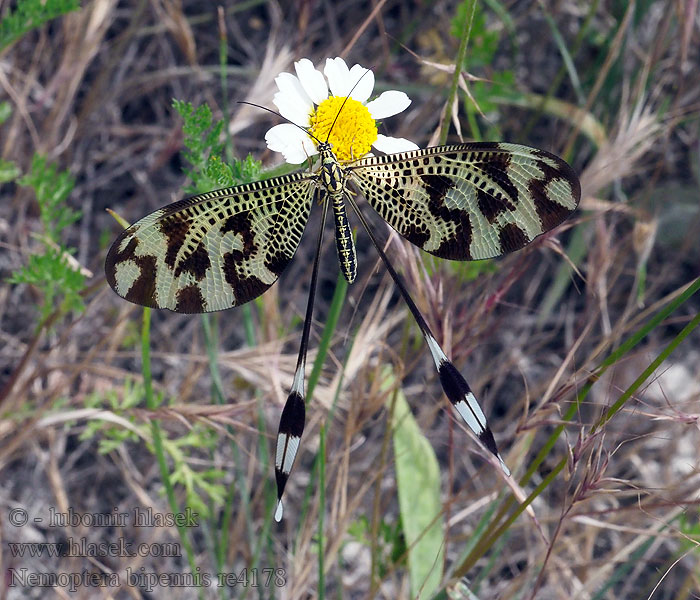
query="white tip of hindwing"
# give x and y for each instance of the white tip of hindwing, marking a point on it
(279, 511)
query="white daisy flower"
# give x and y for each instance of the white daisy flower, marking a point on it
(305, 100)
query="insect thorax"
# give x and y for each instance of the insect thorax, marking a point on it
(332, 179)
(332, 175)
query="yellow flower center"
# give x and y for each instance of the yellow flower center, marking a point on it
(354, 132)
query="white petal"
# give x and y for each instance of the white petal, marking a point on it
(389, 145)
(363, 80)
(297, 154)
(294, 112)
(311, 80)
(292, 101)
(388, 104)
(282, 135)
(291, 141)
(290, 84)
(337, 73)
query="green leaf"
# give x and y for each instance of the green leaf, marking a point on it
(52, 189)
(204, 150)
(5, 111)
(8, 171)
(54, 271)
(59, 281)
(30, 14)
(418, 483)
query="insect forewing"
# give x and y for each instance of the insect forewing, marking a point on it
(212, 251)
(469, 201)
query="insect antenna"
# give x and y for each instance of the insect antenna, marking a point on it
(294, 413)
(455, 386)
(274, 112)
(352, 89)
(311, 135)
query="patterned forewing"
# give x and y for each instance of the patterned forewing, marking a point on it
(469, 201)
(212, 251)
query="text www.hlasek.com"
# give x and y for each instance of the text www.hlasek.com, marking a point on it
(83, 548)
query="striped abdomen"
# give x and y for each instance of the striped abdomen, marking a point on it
(343, 238)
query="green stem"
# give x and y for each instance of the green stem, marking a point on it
(612, 359)
(459, 62)
(495, 532)
(321, 512)
(627, 394)
(223, 61)
(152, 405)
(211, 344)
(556, 82)
(341, 288)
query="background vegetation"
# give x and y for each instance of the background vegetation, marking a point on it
(581, 347)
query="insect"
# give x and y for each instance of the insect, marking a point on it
(223, 248)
